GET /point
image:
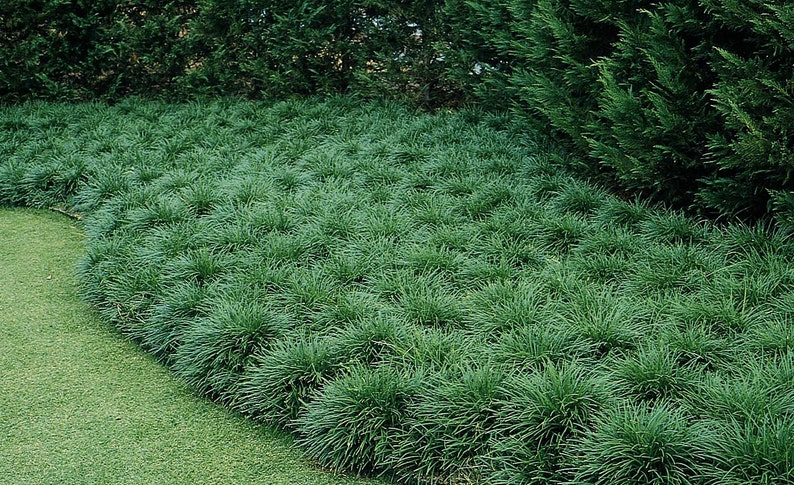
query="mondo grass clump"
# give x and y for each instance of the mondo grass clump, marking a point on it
(541, 414)
(279, 384)
(641, 444)
(449, 427)
(429, 298)
(352, 423)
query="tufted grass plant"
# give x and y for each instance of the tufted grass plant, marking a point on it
(280, 382)
(215, 350)
(352, 423)
(757, 451)
(541, 413)
(654, 372)
(535, 345)
(448, 429)
(372, 341)
(396, 287)
(642, 444)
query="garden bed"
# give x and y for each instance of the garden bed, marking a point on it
(427, 297)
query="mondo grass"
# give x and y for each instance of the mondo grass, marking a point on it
(639, 444)
(352, 423)
(79, 404)
(394, 288)
(541, 414)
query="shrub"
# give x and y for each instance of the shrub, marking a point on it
(556, 78)
(751, 156)
(653, 112)
(479, 50)
(72, 50)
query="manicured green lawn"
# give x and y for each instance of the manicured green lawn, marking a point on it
(81, 404)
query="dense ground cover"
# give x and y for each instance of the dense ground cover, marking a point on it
(80, 404)
(428, 297)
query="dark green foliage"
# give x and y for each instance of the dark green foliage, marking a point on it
(556, 78)
(257, 48)
(351, 425)
(431, 297)
(448, 430)
(70, 50)
(479, 52)
(215, 350)
(752, 156)
(403, 51)
(760, 451)
(262, 47)
(686, 102)
(541, 413)
(654, 113)
(639, 444)
(282, 380)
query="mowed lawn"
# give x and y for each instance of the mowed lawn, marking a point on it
(80, 404)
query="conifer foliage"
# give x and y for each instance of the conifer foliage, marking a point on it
(689, 102)
(686, 101)
(753, 156)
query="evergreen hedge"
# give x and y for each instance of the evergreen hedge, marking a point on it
(56, 49)
(688, 102)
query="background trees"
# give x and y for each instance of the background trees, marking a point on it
(688, 102)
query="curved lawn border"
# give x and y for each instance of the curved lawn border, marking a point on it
(80, 404)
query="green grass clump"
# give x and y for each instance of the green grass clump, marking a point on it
(280, 383)
(80, 404)
(639, 444)
(305, 261)
(449, 427)
(372, 341)
(215, 350)
(758, 450)
(351, 424)
(540, 415)
(653, 372)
